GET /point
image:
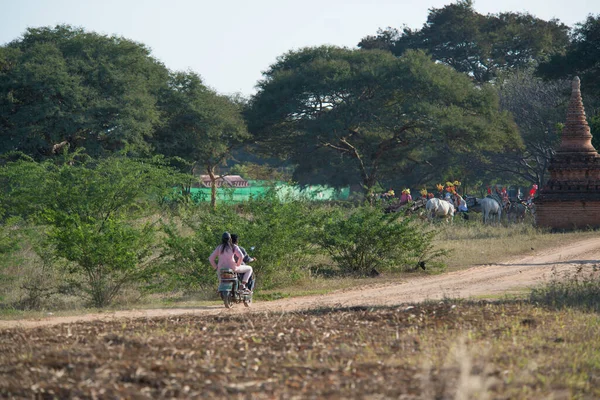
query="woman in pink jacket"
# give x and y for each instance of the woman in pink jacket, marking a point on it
(225, 253)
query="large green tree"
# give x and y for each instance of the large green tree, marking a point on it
(356, 116)
(539, 110)
(64, 86)
(582, 56)
(200, 126)
(480, 45)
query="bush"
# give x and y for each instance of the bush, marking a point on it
(281, 233)
(30, 278)
(96, 214)
(368, 239)
(189, 240)
(9, 243)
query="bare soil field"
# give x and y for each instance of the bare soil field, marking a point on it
(374, 343)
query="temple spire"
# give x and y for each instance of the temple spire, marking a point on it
(576, 136)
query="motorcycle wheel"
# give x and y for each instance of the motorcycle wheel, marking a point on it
(226, 297)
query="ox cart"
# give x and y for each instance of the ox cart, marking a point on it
(407, 208)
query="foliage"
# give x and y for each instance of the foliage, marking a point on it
(367, 239)
(200, 126)
(279, 231)
(582, 57)
(9, 243)
(250, 170)
(8, 240)
(594, 123)
(189, 240)
(38, 277)
(66, 87)
(95, 212)
(282, 232)
(482, 46)
(354, 116)
(538, 108)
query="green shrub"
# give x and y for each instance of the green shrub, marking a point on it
(97, 214)
(189, 240)
(281, 233)
(9, 243)
(368, 239)
(30, 277)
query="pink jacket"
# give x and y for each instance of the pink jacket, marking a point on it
(226, 259)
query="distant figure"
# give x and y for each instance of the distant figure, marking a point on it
(532, 192)
(448, 198)
(461, 204)
(504, 196)
(388, 195)
(405, 197)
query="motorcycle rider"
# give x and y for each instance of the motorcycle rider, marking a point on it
(226, 253)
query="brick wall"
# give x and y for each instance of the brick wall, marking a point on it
(568, 214)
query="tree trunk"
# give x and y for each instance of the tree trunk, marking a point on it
(213, 187)
(368, 183)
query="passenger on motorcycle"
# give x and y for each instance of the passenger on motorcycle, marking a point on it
(226, 253)
(247, 258)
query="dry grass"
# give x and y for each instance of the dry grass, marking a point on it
(476, 244)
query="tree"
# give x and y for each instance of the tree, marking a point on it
(201, 127)
(363, 115)
(63, 86)
(582, 57)
(539, 109)
(480, 45)
(97, 214)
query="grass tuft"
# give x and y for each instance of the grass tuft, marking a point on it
(580, 289)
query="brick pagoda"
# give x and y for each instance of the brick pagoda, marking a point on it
(571, 197)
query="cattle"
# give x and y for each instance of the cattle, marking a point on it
(490, 207)
(439, 208)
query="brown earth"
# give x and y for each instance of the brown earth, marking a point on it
(486, 281)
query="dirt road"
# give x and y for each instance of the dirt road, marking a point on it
(481, 281)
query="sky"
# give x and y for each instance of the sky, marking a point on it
(230, 42)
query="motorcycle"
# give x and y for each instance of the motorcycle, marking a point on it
(231, 283)
(230, 288)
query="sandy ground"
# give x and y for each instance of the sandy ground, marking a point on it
(490, 281)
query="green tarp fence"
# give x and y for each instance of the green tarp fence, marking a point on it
(284, 191)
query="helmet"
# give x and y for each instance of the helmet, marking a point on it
(226, 236)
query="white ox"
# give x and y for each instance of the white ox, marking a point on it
(490, 207)
(439, 208)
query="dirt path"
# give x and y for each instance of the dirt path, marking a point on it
(480, 281)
